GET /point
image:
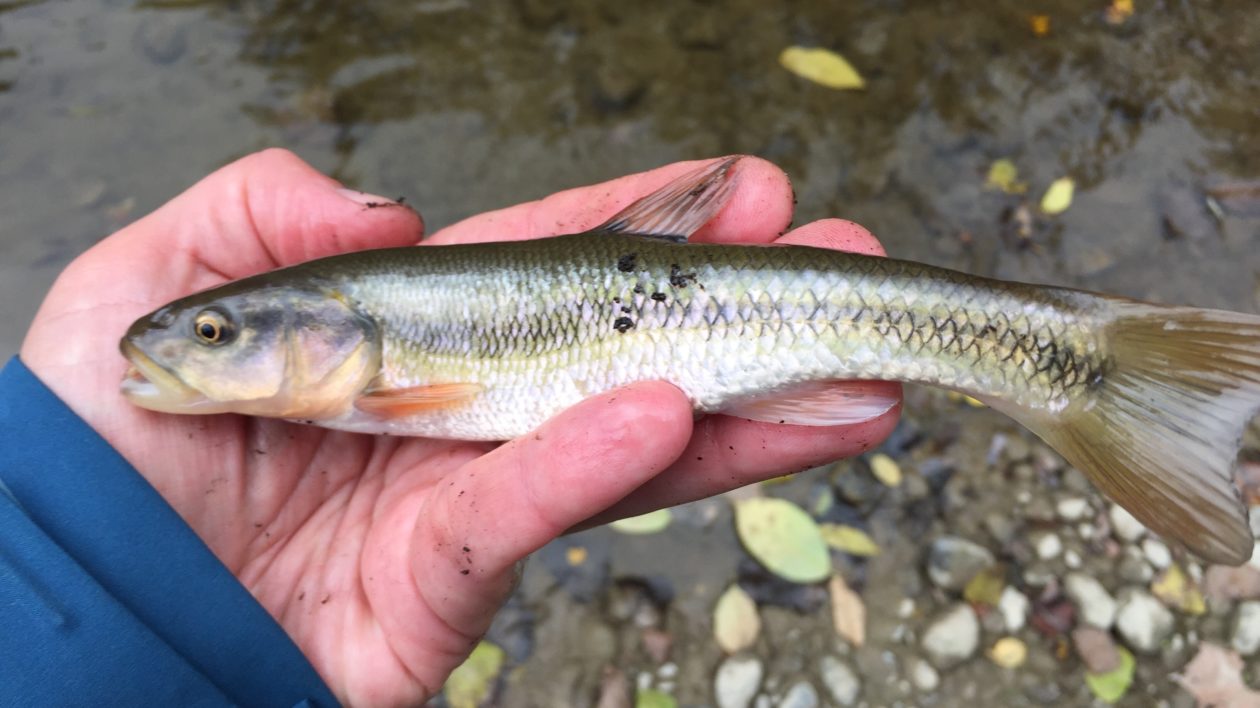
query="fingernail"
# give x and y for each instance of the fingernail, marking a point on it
(366, 199)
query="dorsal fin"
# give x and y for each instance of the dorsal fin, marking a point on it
(677, 210)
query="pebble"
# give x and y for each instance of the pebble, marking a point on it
(802, 694)
(1133, 567)
(1072, 559)
(1143, 621)
(1002, 528)
(737, 681)
(924, 676)
(1009, 653)
(1048, 546)
(1125, 525)
(1093, 602)
(954, 561)
(1013, 606)
(952, 637)
(1072, 508)
(1157, 553)
(841, 681)
(1245, 636)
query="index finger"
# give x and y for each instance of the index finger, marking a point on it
(759, 211)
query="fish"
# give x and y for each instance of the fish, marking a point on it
(487, 341)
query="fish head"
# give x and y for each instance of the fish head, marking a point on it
(279, 351)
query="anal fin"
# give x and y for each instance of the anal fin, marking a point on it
(821, 403)
(677, 210)
(403, 402)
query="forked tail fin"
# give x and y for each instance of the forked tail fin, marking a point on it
(1161, 430)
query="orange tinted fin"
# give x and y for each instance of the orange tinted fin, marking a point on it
(677, 210)
(402, 402)
(822, 403)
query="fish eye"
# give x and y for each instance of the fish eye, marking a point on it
(212, 327)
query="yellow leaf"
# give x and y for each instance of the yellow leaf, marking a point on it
(821, 66)
(575, 555)
(651, 522)
(1118, 11)
(986, 587)
(1059, 196)
(469, 684)
(1178, 591)
(848, 614)
(853, 541)
(886, 469)
(1004, 175)
(736, 623)
(1040, 25)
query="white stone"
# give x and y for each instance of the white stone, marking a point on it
(1093, 602)
(1048, 546)
(802, 694)
(737, 681)
(905, 608)
(1143, 621)
(924, 676)
(1245, 637)
(668, 670)
(1157, 553)
(952, 637)
(1124, 525)
(1072, 559)
(841, 681)
(1073, 508)
(1013, 606)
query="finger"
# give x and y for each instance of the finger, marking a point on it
(759, 210)
(726, 452)
(470, 532)
(270, 209)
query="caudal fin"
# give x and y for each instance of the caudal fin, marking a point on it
(1161, 430)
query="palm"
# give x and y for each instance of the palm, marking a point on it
(385, 558)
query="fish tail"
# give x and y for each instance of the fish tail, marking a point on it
(1161, 428)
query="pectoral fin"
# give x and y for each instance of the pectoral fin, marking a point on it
(822, 403)
(677, 210)
(402, 402)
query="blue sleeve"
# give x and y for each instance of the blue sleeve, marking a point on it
(106, 596)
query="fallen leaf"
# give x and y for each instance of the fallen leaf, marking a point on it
(651, 522)
(783, 538)
(651, 698)
(1214, 678)
(885, 469)
(1118, 11)
(1040, 25)
(1058, 197)
(736, 623)
(1004, 175)
(575, 555)
(849, 540)
(985, 588)
(469, 684)
(1111, 686)
(1177, 591)
(822, 66)
(848, 613)
(1009, 653)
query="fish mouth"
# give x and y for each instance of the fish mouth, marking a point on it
(148, 385)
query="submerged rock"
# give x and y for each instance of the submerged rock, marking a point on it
(1013, 606)
(1094, 604)
(1245, 635)
(1143, 621)
(737, 681)
(841, 681)
(924, 676)
(954, 561)
(952, 637)
(802, 694)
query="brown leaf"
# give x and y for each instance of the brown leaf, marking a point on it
(1214, 678)
(848, 614)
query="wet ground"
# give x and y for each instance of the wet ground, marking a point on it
(109, 108)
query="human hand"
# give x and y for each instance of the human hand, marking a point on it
(386, 558)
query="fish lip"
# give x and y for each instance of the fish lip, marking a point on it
(149, 385)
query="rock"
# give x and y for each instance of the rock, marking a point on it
(1133, 567)
(1013, 606)
(1097, 649)
(1072, 508)
(802, 694)
(1245, 636)
(1157, 553)
(1124, 525)
(954, 561)
(1143, 621)
(1048, 546)
(841, 681)
(161, 39)
(1093, 603)
(1009, 653)
(1224, 584)
(1001, 527)
(737, 681)
(1072, 559)
(924, 676)
(952, 637)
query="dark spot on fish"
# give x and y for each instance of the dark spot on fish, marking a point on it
(467, 549)
(781, 422)
(465, 571)
(623, 324)
(625, 308)
(625, 264)
(679, 279)
(638, 289)
(616, 301)
(659, 297)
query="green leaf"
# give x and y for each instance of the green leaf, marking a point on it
(469, 684)
(651, 698)
(850, 540)
(783, 538)
(1059, 196)
(885, 469)
(986, 587)
(736, 623)
(822, 66)
(1111, 686)
(651, 522)
(1004, 175)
